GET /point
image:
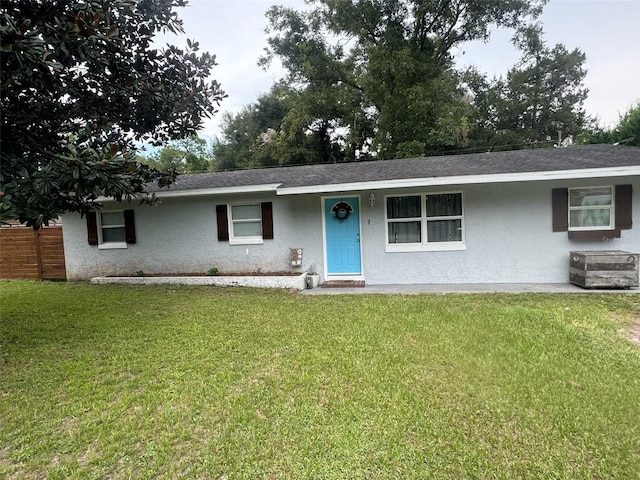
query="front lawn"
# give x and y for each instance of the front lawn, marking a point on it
(200, 382)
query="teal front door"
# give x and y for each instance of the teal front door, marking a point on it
(342, 235)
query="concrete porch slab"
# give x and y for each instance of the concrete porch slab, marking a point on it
(467, 288)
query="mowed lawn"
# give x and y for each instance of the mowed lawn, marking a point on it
(230, 383)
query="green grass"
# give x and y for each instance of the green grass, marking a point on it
(170, 382)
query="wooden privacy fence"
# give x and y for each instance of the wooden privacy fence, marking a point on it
(25, 253)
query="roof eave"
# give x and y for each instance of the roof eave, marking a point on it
(270, 187)
(464, 180)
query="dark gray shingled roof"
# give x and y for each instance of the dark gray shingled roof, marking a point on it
(516, 161)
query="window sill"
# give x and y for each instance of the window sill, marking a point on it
(435, 247)
(246, 241)
(593, 234)
(112, 245)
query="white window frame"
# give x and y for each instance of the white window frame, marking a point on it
(102, 245)
(611, 208)
(233, 240)
(424, 245)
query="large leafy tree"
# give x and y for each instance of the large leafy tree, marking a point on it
(376, 76)
(81, 83)
(540, 96)
(323, 120)
(253, 137)
(188, 155)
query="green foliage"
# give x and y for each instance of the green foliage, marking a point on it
(375, 77)
(252, 138)
(182, 382)
(80, 83)
(629, 126)
(627, 130)
(140, 273)
(541, 95)
(189, 155)
(212, 272)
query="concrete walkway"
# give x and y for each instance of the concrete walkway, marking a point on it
(466, 288)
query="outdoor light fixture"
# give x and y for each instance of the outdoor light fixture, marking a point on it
(372, 199)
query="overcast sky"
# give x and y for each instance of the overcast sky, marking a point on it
(607, 31)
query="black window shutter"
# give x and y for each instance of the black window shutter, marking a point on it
(92, 228)
(267, 220)
(623, 206)
(560, 209)
(129, 226)
(223, 224)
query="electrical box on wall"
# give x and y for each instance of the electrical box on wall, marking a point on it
(296, 257)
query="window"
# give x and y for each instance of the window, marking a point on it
(111, 229)
(425, 222)
(241, 224)
(592, 213)
(591, 208)
(245, 223)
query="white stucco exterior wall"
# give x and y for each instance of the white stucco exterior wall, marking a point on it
(508, 238)
(180, 236)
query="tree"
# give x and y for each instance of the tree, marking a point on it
(376, 76)
(541, 95)
(80, 84)
(322, 122)
(627, 130)
(188, 155)
(251, 137)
